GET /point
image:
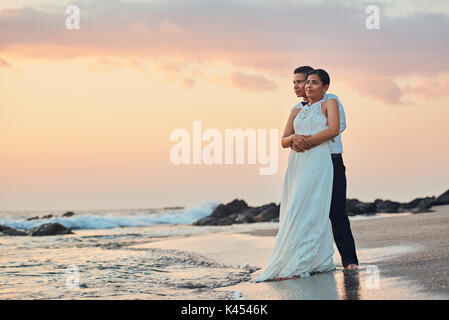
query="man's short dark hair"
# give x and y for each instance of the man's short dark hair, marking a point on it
(303, 69)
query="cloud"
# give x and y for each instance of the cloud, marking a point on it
(267, 37)
(104, 65)
(384, 89)
(4, 63)
(168, 27)
(429, 87)
(251, 82)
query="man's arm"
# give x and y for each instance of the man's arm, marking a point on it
(341, 110)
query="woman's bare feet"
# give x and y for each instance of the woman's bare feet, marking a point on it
(287, 278)
(351, 266)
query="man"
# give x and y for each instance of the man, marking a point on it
(341, 228)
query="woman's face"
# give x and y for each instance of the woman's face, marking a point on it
(314, 87)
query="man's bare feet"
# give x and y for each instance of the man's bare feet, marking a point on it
(352, 266)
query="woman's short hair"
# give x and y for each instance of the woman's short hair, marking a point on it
(322, 74)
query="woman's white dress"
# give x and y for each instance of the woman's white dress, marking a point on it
(304, 240)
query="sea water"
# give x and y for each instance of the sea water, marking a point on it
(103, 259)
(99, 262)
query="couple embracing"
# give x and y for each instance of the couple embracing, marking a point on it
(314, 188)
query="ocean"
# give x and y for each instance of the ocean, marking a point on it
(98, 261)
(105, 259)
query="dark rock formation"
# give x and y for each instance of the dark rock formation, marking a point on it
(354, 207)
(14, 232)
(174, 208)
(50, 229)
(68, 214)
(3, 228)
(386, 206)
(270, 213)
(7, 231)
(46, 229)
(238, 211)
(442, 199)
(417, 205)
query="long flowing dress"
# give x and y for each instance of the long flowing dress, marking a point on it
(303, 244)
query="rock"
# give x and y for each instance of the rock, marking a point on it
(224, 210)
(68, 214)
(33, 218)
(47, 216)
(269, 214)
(221, 214)
(442, 199)
(2, 228)
(386, 206)
(238, 211)
(354, 207)
(7, 231)
(207, 221)
(14, 232)
(226, 221)
(50, 229)
(420, 210)
(244, 218)
(417, 205)
(174, 208)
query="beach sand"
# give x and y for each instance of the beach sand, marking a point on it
(401, 257)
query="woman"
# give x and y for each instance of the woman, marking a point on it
(304, 241)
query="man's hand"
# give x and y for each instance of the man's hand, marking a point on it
(297, 147)
(299, 144)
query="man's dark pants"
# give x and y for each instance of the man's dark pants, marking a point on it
(339, 218)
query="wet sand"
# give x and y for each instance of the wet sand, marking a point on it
(401, 257)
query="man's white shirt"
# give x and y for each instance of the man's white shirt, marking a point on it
(335, 145)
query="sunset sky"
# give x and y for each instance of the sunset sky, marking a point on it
(86, 115)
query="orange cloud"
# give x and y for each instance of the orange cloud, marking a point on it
(4, 63)
(429, 87)
(245, 35)
(251, 82)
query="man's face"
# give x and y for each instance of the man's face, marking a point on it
(299, 81)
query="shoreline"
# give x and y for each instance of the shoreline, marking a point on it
(407, 254)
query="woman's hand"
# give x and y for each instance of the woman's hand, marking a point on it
(299, 143)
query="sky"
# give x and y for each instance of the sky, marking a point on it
(86, 115)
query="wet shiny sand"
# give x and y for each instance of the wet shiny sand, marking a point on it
(401, 257)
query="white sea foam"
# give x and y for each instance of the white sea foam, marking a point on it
(114, 220)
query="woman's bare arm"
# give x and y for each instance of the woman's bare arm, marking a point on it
(333, 122)
(289, 130)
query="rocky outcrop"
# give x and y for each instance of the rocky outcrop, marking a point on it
(49, 216)
(11, 231)
(46, 229)
(354, 207)
(14, 232)
(418, 205)
(238, 211)
(50, 229)
(442, 199)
